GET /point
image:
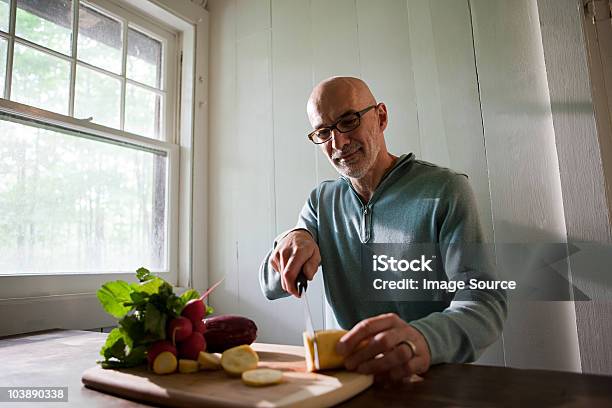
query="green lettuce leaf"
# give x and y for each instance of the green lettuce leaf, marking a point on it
(114, 346)
(188, 295)
(149, 287)
(143, 274)
(113, 296)
(154, 321)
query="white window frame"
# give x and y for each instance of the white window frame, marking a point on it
(187, 209)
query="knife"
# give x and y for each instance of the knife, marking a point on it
(302, 285)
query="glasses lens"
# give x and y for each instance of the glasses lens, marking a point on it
(349, 123)
(321, 135)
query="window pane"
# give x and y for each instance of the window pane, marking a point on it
(97, 95)
(72, 204)
(99, 41)
(142, 112)
(2, 65)
(47, 23)
(4, 15)
(144, 58)
(40, 79)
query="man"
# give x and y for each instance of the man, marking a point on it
(382, 198)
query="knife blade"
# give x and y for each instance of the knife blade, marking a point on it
(302, 285)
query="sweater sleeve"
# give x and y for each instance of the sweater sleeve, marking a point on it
(269, 279)
(474, 318)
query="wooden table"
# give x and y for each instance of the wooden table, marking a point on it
(57, 358)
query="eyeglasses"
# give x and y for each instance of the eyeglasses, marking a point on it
(346, 123)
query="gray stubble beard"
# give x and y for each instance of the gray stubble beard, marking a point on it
(358, 173)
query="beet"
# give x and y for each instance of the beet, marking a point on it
(227, 331)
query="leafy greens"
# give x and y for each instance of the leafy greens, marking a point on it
(143, 309)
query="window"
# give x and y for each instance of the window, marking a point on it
(69, 203)
(88, 142)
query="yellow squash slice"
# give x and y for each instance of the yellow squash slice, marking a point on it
(188, 366)
(209, 361)
(261, 377)
(164, 363)
(239, 359)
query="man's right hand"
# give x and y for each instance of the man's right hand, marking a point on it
(296, 252)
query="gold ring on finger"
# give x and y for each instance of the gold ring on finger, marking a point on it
(411, 345)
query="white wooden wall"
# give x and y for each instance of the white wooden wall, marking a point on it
(420, 58)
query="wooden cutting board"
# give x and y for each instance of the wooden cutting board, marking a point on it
(214, 388)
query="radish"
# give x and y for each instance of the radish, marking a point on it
(199, 326)
(159, 347)
(194, 310)
(164, 363)
(190, 347)
(179, 329)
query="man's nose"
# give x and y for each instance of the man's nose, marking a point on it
(339, 140)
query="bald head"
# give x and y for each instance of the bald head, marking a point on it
(335, 96)
(357, 148)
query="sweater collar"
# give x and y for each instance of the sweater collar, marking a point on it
(388, 178)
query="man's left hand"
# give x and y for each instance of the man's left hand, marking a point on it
(375, 346)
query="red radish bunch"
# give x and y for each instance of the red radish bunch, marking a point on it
(179, 329)
(185, 337)
(186, 330)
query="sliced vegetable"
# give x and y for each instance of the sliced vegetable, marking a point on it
(164, 363)
(326, 347)
(188, 366)
(209, 361)
(159, 347)
(261, 377)
(239, 359)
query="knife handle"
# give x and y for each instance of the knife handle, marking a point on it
(301, 283)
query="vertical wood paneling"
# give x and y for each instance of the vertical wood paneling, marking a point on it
(252, 16)
(335, 46)
(432, 138)
(292, 83)
(445, 74)
(445, 77)
(524, 173)
(581, 164)
(386, 65)
(294, 155)
(224, 188)
(253, 165)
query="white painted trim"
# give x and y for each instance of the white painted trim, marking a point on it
(68, 311)
(186, 157)
(199, 243)
(174, 12)
(74, 311)
(79, 125)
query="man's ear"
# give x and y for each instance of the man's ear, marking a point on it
(383, 116)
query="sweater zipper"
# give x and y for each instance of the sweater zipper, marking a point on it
(366, 210)
(365, 225)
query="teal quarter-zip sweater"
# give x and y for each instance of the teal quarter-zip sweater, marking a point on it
(415, 202)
